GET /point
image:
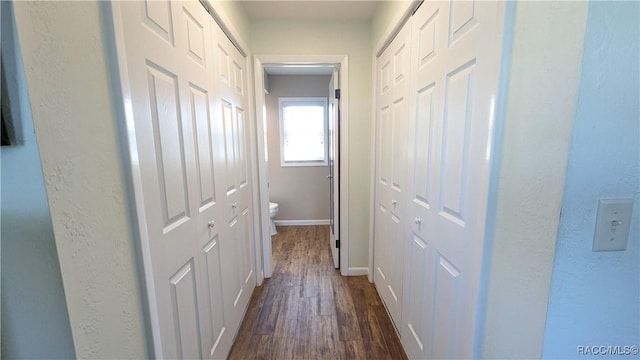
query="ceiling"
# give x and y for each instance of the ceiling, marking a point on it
(298, 69)
(310, 10)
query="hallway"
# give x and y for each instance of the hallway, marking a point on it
(308, 311)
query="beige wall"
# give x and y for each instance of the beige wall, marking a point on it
(302, 192)
(352, 38)
(68, 77)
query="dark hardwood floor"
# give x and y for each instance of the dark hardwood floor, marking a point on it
(308, 311)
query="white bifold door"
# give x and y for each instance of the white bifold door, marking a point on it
(184, 87)
(455, 53)
(390, 178)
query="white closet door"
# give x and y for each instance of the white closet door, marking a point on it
(188, 97)
(454, 66)
(169, 64)
(237, 245)
(391, 155)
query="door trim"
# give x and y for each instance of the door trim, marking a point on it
(258, 69)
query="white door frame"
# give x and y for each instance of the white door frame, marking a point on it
(258, 70)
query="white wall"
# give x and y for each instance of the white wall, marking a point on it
(594, 297)
(302, 192)
(35, 320)
(540, 103)
(68, 78)
(284, 37)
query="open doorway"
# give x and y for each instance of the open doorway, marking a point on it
(332, 163)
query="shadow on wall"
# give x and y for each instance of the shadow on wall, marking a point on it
(594, 295)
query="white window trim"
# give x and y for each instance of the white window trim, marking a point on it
(302, 100)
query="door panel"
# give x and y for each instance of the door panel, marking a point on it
(454, 69)
(190, 251)
(157, 16)
(201, 115)
(447, 308)
(393, 82)
(455, 147)
(185, 312)
(236, 248)
(168, 143)
(214, 295)
(419, 331)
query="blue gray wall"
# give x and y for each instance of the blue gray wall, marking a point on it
(595, 296)
(35, 320)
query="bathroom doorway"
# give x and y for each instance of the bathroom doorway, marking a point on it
(332, 71)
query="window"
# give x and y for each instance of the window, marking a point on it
(303, 132)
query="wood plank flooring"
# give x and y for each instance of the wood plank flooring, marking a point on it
(308, 311)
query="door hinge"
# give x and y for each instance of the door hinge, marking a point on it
(337, 93)
(337, 243)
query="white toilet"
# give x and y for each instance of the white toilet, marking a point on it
(273, 211)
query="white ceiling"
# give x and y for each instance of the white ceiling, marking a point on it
(308, 9)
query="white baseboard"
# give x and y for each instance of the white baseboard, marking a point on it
(301, 222)
(358, 271)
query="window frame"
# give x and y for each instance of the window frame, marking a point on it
(301, 101)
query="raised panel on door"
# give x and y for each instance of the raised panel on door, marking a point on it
(169, 148)
(394, 261)
(391, 147)
(242, 150)
(230, 147)
(455, 58)
(384, 148)
(185, 311)
(417, 330)
(201, 117)
(246, 250)
(455, 180)
(213, 265)
(447, 303)
(158, 17)
(379, 230)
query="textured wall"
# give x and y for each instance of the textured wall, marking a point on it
(336, 37)
(595, 296)
(301, 191)
(65, 60)
(540, 103)
(31, 328)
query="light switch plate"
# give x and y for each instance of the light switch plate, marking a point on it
(612, 224)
